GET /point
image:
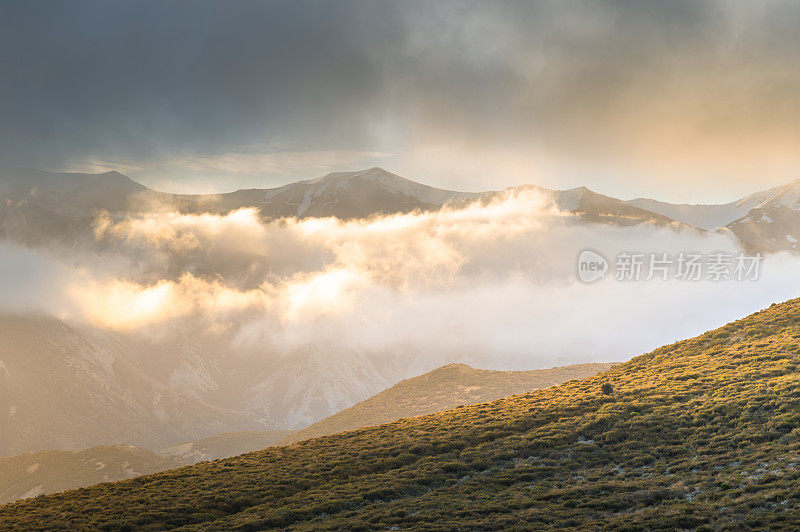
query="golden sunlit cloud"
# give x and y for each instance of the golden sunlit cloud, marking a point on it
(493, 279)
(399, 252)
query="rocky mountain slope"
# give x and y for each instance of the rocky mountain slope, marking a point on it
(700, 433)
(287, 390)
(304, 386)
(60, 389)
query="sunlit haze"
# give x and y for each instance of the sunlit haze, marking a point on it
(399, 265)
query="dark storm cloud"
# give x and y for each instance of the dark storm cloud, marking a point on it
(88, 77)
(592, 81)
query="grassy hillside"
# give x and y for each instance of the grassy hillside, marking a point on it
(702, 433)
(32, 474)
(442, 389)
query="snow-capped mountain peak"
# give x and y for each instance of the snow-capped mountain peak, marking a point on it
(787, 195)
(357, 194)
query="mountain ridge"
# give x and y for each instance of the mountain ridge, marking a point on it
(443, 388)
(362, 193)
(65, 211)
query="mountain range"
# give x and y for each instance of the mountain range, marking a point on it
(699, 434)
(39, 206)
(182, 386)
(33, 474)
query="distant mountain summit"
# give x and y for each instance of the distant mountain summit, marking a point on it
(68, 194)
(356, 195)
(712, 217)
(768, 220)
(787, 195)
(36, 207)
(39, 206)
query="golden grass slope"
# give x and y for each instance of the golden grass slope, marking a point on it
(702, 434)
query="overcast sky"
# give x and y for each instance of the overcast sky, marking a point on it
(685, 101)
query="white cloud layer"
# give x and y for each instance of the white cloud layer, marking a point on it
(491, 285)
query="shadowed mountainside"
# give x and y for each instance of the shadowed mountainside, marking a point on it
(32, 474)
(60, 389)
